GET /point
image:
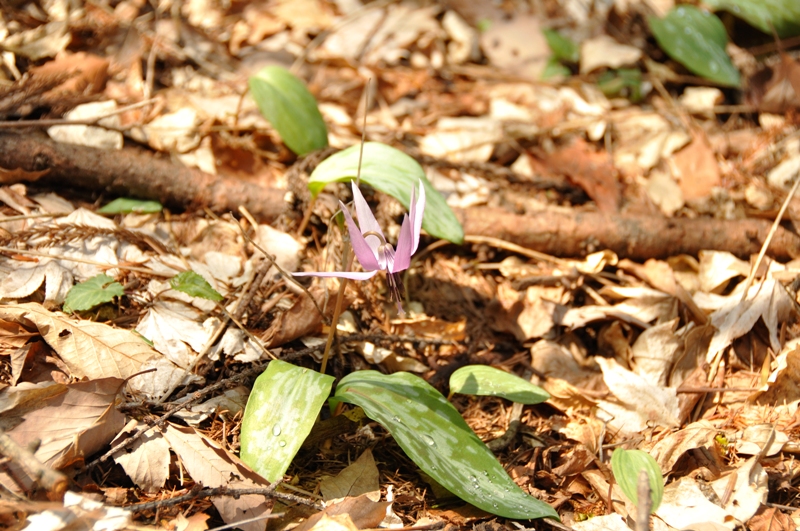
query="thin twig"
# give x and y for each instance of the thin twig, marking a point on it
(54, 481)
(224, 491)
(644, 502)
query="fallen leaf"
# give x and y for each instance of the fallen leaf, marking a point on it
(684, 504)
(696, 168)
(668, 450)
(364, 513)
(359, 478)
(604, 52)
(146, 461)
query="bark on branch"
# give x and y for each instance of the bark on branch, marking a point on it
(143, 174)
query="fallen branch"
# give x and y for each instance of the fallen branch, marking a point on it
(51, 480)
(143, 174)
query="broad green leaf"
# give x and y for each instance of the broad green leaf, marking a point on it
(394, 173)
(562, 47)
(487, 381)
(287, 104)
(555, 69)
(696, 39)
(626, 464)
(783, 15)
(433, 434)
(97, 290)
(125, 205)
(283, 405)
(193, 284)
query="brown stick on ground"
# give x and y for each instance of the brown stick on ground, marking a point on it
(140, 173)
(137, 173)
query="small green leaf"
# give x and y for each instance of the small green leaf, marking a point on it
(626, 82)
(562, 47)
(626, 464)
(97, 290)
(783, 15)
(193, 284)
(555, 69)
(394, 173)
(483, 380)
(696, 39)
(283, 405)
(292, 110)
(433, 434)
(125, 205)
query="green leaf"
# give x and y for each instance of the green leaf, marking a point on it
(283, 405)
(433, 434)
(623, 82)
(696, 39)
(626, 464)
(193, 284)
(562, 47)
(783, 15)
(97, 290)
(394, 173)
(292, 110)
(487, 381)
(125, 205)
(555, 69)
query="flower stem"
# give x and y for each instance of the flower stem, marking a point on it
(347, 261)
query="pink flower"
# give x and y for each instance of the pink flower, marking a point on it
(372, 250)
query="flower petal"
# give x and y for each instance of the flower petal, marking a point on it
(402, 255)
(366, 221)
(366, 255)
(352, 275)
(417, 212)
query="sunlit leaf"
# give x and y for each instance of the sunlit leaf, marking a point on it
(562, 47)
(696, 39)
(394, 173)
(125, 205)
(292, 110)
(555, 69)
(626, 465)
(97, 290)
(193, 284)
(433, 434)
(487, 381)
(783, 15)
(280, 413)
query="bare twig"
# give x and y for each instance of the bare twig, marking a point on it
(645, 502)
(55, 482)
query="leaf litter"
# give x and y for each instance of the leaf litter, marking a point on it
(668, 357)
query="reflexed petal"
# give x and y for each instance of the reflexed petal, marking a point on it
(352, 275)
(366, 221)
(417, 212)
(402, 255)
(367, 257)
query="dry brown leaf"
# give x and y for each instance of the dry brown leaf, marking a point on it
(364, 513)
(90, 350)
(212, 466)
(359, 478)
(771, 519)
(147, 461)
(776, 90)
(339, 522)
(19, 175)
(668, 450)
(696, 168)
(301, 320)
(73, 424)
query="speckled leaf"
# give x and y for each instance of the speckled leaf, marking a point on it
(434, 435)
(394, 173)
(487, 381)
(292, 110)
(697, 40)
(280, 413)
(626, 464)
(783, 15)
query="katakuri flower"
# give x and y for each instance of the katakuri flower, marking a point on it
(372, 250)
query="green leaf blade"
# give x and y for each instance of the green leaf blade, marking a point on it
(292, 110)
(697, 40)
(563, 48)
(394, 173)
(97, 290)
(783, 15)
(434, 435)
(126, 205)
(193, 284)
(626, 465)
(483, 380)
(279, 415)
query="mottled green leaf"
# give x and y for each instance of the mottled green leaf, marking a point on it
(626, 465)
(696, 39)
(394, 173)
(97, 290)
(433, 434)
(562, 47)
(125, 205)
(487, 381)
(292, 110)
(193, 284)
(283, 405)
(783, 15)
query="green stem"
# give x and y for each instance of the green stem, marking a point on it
(347, 260)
